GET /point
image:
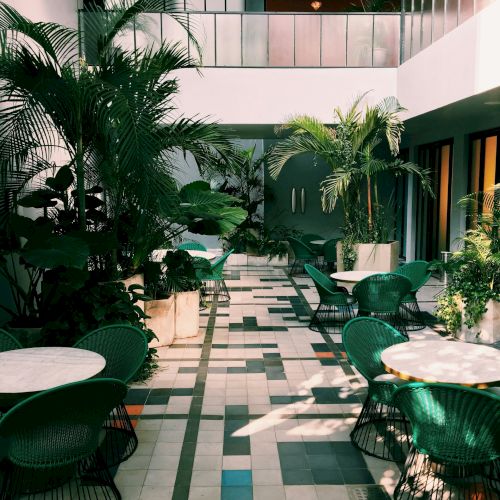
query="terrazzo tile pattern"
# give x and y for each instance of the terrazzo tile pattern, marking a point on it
(257, 406)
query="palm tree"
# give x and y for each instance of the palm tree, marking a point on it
(111, 122)
(349, 147)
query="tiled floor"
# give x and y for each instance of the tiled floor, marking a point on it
(255, 407)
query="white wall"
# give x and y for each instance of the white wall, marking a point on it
(57, 11)
(461, 64)
(270, 95)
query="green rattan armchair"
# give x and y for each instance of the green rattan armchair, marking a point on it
(381, 429)
(335, 306)
(212, 276)
(307, 238)
(418, 273)
(51, 443)
(330, 253)
(125, 348)
(8, 342)
(456, 442)
(380, 295)
(191, 245)
(302, 255)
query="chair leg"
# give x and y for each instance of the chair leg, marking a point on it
(216, 289)
(330, 319)
(412, 316)
(382, 431)
(423, 478)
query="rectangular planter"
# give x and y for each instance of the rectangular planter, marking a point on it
(136, 279)
(187, 314)
(487, 331)
(383, 257)
(161, 320)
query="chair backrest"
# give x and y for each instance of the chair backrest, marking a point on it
(192, 245)
(60, 426)
(452, 423)
(323, 284)
(218, 266)
(300, 250)
(417, 272)
(330, 250)
(8, 342)
(124, 347)
(364, 340)
(307, 238)
(381, 292)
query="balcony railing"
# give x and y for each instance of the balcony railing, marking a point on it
(278, 40)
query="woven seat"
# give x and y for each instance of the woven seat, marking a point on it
(381, 429)
(212, 276)
(302, 254)
(52, 439)
(418, 273)
(335, 307)
(191, 245)
(456, 442)
(380, 295)
(124, 347)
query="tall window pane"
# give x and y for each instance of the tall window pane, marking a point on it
(281, 40)
(386, 41)
(307, 40)
(359, 40)
(333, 40)
(255, 40)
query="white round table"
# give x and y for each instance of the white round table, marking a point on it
(353, 276)
(24, 371)
(202, 254)
(318, 242)
(459, 363)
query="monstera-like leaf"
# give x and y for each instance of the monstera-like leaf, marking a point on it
(205, 211)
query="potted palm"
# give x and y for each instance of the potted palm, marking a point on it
(354, 150)
(470, 305)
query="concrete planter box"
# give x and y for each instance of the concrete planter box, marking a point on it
(383, 257)
(487, 331)
(161, 320)
(136, 279)
(187, 314)
(243, 259)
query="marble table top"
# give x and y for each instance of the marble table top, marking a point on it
(40, 368)
(460, 363)
(353, 276)
(318, 242)
(202, 254)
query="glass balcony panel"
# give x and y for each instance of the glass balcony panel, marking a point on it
(466, 10)
(196, 5)
(438, 22)
(202, 26)
(228, 39)
(451, 15)
(254, 6)
(426, 23)
(416, 27)
(173, 32)
(235, 5)
(255, 40)
(216, 5)
(359, 40)
(307, 40)
(281, 31)
(333, 40)
(385, 41)
(407, 40)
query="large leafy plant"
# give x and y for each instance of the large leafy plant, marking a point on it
(475, 269)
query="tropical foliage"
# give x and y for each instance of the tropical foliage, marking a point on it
(475, 269)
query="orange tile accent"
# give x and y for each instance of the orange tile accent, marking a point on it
(134, 423)
(344, 355)
(134, 409)
(324, 355)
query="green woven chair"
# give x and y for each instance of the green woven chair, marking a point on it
(192, 245)
(52, 443)
(418, 273)
(380, 295)
(456, 442)
(125, 348)
(8, 342)
(307, 238)
(330, 253)
(212, 275)
(302, 255)
(381, 429)
(335, 306)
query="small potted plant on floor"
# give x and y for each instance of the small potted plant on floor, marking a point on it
(470, 305)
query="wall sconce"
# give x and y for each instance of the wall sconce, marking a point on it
(315, 4)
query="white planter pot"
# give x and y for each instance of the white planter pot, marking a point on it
(487, 331)
(187, 314)
(383, 257)
(136, 279)
(161, 320)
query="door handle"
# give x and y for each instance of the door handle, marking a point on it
(303, 200)
(294, 201)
